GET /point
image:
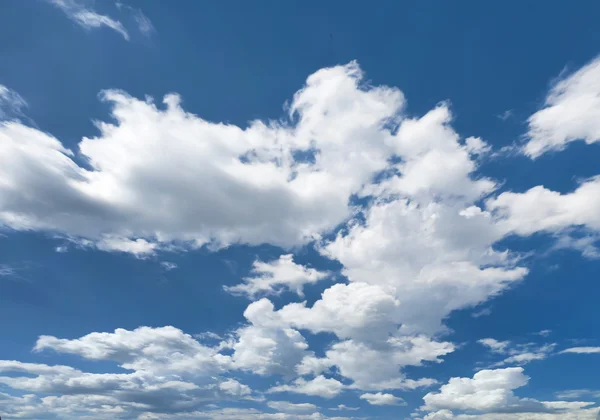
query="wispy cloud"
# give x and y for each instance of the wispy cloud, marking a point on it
(87, 17)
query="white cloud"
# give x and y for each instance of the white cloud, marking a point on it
(11, 103)
(570, 113)
(273, 277)
(578, 393)
(215, 184)
(320, 386)
(288, 407)
(342, 407)
(88, 18)
(490, 392)
(6, 270)
(382, 399)
(517, 354)
(167, 265)
(582, 350)
(539, 209)
(265, 347)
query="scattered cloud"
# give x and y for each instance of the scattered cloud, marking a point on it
(492, 391)
(320, 386)
(517, 354)
(506, 115)
(275, 276)
(168, 266)
(382, 399)
(582, 350)
(87, 18)
(570, 113)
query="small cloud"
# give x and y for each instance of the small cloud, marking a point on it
(61, 248)
(168, 265)
(483, 312)
(144, 24)
(6, 270)
(343, 407)
(506, 115)
(88, 18)
(544, 333)
(382, 399)
(11, 103)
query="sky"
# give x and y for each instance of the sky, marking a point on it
(299, 210)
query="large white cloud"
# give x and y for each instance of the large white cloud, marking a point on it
(490, 394)
(163, 174)
(570, 113)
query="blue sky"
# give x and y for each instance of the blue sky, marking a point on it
(297, 210)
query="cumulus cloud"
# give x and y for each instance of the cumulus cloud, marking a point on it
(382, 399)
(275, 276)
(422, 244)
(320, 386)
(164, 175)
(491, 392)
(570, 113)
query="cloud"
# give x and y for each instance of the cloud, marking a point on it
(342, 407)
(11, 103)
(273, 277)
(582, 350)
(578, 393)
(288, 407)
(215, 184)
(542, 210)
(518, 354)
(490, 392)
(6, 270)
(570, 113)
(320, 386)
(382, 399)
(168, 265)
(88, 18)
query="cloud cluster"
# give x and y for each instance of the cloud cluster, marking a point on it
(398, 201)
(490, 393)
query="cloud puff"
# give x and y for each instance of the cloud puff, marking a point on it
(382, 399)
(273, 277)
(320, 386)
(570, 113)
(490, 392)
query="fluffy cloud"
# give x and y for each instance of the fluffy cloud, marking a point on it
(265, 347)
(571, 113)
(162, 174)
(490, 392)
(273, 277)
(288, 407)
(382, 399)
(582, 350)
(319, 386)
(540, 209)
